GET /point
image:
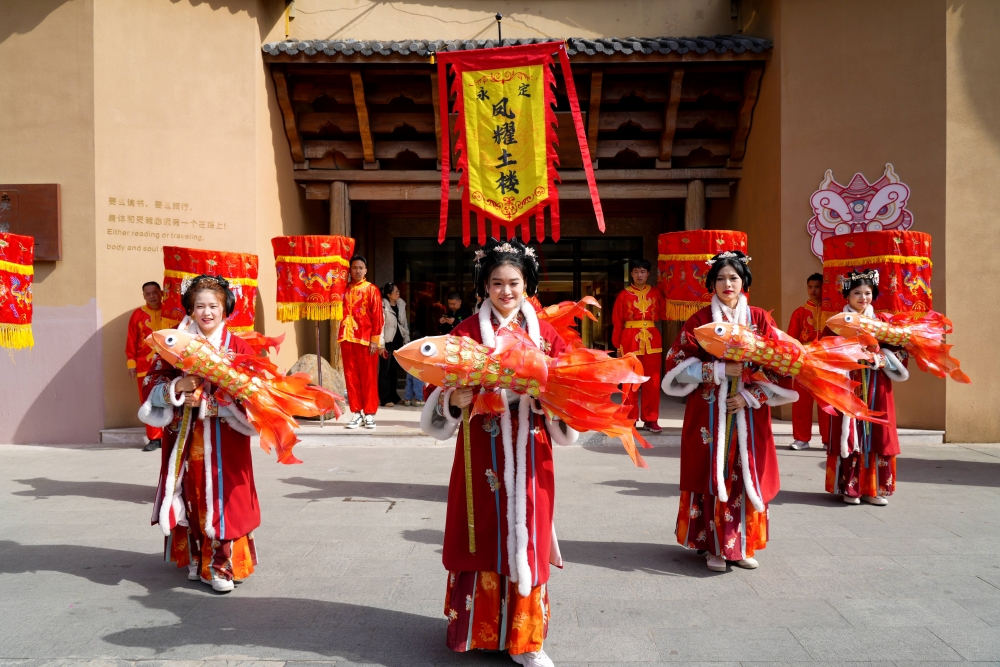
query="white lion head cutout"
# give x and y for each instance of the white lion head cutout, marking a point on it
(858, 207)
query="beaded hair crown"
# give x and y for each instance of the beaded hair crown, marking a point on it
(729, 254)
(855, 276)
(188, 282)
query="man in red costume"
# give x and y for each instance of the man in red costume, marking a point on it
(359, 338)
(144, 321)
(802, 327)
(637, 310)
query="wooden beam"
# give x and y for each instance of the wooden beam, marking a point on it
(717, 190)
(313, 122)
(670, 120)
(340, 209)
(694, 207)
(337, 89)
(751, 89)
(354, 150)
(594, 110)
(367, 145)
(288, 114)
(567, 176)
(607, 148)
(436, 102)
(718, 147)
(376, 191)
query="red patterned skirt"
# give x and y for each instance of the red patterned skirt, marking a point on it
(856, 475)
(732, 529)
(485, 611)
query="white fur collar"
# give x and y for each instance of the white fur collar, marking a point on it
(869, 311)
(486, 326)
(723, 313)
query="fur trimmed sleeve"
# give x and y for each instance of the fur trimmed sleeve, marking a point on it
(439, 426)
(894, 368)
(561, 432)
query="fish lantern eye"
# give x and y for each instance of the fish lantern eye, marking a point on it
(849, 319)
(719, 330)
(170, 340)
(428, 349)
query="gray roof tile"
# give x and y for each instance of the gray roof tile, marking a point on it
(575, 46)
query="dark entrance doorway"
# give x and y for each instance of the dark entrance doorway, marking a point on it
(569, 270)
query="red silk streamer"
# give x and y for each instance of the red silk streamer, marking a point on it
(499, 58)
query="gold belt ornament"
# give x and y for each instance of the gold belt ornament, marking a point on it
(639, 324)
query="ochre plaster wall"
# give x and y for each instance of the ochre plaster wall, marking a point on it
(851, 105)
(51, 393)
(973, 199)
(187, 124)
(472, 19)
(756, 204)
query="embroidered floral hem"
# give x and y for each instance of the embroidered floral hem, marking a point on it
(485, 611)
(851, 477)
(733, 529)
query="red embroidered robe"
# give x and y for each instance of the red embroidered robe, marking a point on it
(876, 392)
(701, 417)
(229, 483)
(489, 493)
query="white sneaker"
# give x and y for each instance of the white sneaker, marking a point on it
(193, 574)
(851, 500)
(369, 421)
(798, 444)
(875, 500)
(716, 563)
(221, 584)
(355, 421)
(533, 659)
(748, 563)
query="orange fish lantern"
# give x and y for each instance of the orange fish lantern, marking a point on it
(17, 272)
(271, 400)
(922, 335)
(902, 259)
(576, 386)
(312, 276)
(682, 268)
(240, 269)
(820, 366)
(563, 316)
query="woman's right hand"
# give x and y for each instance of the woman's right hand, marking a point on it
(188, 383)
(733, 369)
(461, 398)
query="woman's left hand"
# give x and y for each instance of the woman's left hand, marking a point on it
(384, 353)
(736, 403)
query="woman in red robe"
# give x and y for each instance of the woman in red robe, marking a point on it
(861, 456)
(729, 467)
(497, 597)
(206, 502)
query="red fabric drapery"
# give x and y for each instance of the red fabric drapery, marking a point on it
(903, 261)
(493, 89)
(312, 276)
(17, 254)
(682, 268)
(180, 265)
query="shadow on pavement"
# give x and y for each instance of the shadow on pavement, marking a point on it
(947, 471)
(649, 557)
(44, 488)
(238, 623)
(349, 488)
(649, 489)
(657, 451)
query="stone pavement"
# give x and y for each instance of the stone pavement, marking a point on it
(350, 569)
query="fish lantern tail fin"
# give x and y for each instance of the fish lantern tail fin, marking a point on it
(275, 428)
(578, 391)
